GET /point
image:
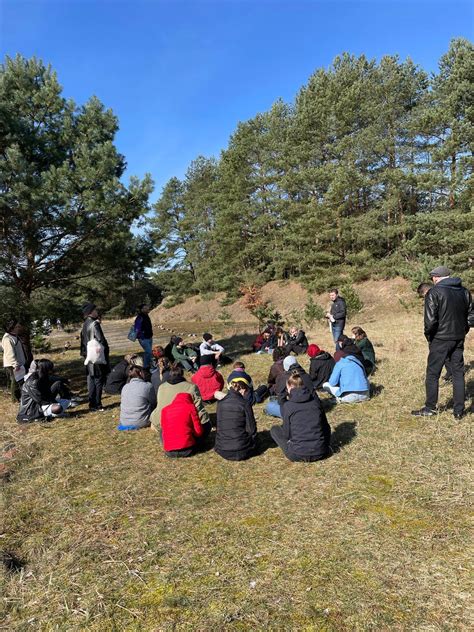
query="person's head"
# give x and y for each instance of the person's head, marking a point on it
(266, 335)
(179, 342)
(144, 308)
(344, 340)
(293, 331)
(136, 371)
(294, 381)
(163, 364)
(44, 368)
(207, 338)
(239, 365)
(313, 350)
(176, 371)
(158, 351)
(358, 333)
(288, 362)
(206, 360)
(439, 273)
(333, 293)
(90, 309)
(240, 385)
(277, 354)
(423, 289)
(10, 324)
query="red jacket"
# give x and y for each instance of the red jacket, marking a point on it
(208, 381)
(180, 425)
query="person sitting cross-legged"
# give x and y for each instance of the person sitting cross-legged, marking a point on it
(236, 429)
(185, 356)
(321, 365)
(37, 401)
(290, 365)
(181, 428)
(367, 348)
(305, 433)
(208, 380)
(348, 382)
(138, 399)
(297, 341)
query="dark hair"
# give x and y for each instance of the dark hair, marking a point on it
(176, 370)
(344, 340)
(334, 289)
(277, 354)
(10, 323)
(44, 368)
(239, 365)
(423, 288)
(207, 337)
(136, 371)
(236, 384)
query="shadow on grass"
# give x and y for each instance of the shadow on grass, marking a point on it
(264, 442)
(343, 434)
(469, 396)
(376, 389)
(238, 344)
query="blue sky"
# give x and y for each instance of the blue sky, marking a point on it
(181, 74)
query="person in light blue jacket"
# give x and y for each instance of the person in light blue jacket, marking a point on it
(348, 381)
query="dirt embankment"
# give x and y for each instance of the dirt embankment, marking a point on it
(393, 295)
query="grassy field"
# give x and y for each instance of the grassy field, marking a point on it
(103, 533)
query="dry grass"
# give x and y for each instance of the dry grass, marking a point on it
(110, 535)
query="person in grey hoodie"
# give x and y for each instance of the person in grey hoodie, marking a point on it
(138, 401)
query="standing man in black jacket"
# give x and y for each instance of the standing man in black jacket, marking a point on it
(447, 309)
(96, 373)
(337, 315)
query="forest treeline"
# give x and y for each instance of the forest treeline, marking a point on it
(368, 173)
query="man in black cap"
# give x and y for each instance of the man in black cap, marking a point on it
(96, 373)
(448, 308)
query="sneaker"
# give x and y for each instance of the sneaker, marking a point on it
(97, 410)
(424, 412)
(458, 416)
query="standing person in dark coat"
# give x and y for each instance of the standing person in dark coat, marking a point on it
(290, 365)
(321, 365)
(448, 308)
(337, 315)
(236, 430)
(144, 330)
(96, 373)
(305, 433)
(297, 341)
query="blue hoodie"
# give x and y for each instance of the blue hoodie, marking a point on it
(349, 374)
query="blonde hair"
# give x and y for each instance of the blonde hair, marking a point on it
(295, 380)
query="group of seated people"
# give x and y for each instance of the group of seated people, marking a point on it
(176, 407)
(273, 337)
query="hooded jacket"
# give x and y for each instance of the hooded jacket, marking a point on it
(168, 391)
(236, 428)
(275, 371)
(349, 374)
(34, 394)
(180, 425)
(117, 378)
(320, 368)
(305, 425)
(280, 386)
(447, 309)
(208, 381)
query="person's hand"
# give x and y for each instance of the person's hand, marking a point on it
(218, 355)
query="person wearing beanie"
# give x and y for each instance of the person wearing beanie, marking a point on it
(236, 429)
(209, 347)
(305, 433)
(208, 380)
(96, 373)
(320, 366)
(290, 365)
(184, 356)
(448, 315)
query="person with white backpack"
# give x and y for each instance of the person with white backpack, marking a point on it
(95, 350)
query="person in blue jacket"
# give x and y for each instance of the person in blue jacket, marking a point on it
(348, 381)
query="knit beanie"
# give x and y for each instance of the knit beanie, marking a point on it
(87, 308)
(313, 350)
(288, 362)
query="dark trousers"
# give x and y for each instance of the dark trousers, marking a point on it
(95, 385)
(440, 351)
(278, 437)
(13, 386)
(60, 387)
(291, 346)
(185, 452)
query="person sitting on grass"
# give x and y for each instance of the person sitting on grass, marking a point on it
(161, 372)
(366, 347)
(209, 347)
(321, 365)
(138, 399)
(118, 376)
(290, 365)
(276, 369)
(255, 396)
(236, 430)
(181, 428)
(37, 402)
(297, 341)
(268, 343)
(258, 342)
(184, 356)
(305, 433)
(346, 347)
(208, 380)
(176, 383)
(348, 382)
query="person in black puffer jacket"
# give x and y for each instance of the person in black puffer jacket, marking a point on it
(305, 433)
(321, 365)
(448, 312)
(297, 341)
(236, 430)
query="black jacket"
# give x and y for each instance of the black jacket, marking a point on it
(236, 428)
(145, 329)
(117, 378)
(447, 308)
(320, 368)
(275, 370)
(280, 386)
(34, 393)
(300, 339)
(92, 329)
(338, 311)
(305, 425)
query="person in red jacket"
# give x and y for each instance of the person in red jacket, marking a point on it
(208, 380)
(181, 428)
